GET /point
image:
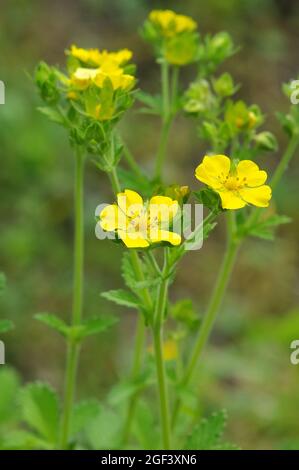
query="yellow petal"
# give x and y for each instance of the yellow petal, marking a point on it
(231, 200)
(213, 170)
(133, 239)
(259, 197)
(250, 173)
(108, 217)
(162, 208)
(157, 235)
(130, 202)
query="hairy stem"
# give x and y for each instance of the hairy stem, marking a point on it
(212, 311)
(73, 347)
(159, 359)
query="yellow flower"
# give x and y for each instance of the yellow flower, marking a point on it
(96, 58)
(115, 74)
(170, 350)
(87, 56)
(170, 24)
(83, 77)
(140, 224)
(237, 185)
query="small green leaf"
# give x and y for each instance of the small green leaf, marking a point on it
(209, 199)
(124, 390)
(23, 440)
(52, 114)
(6, 325)
(184, 312)
(265, 229)
(207, 434)
(53, 322)
(40, 410)
(82, 414)
(9, 387)
(94, 325)
(122, 297)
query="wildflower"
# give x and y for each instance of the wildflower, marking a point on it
(116, 76)
(237, 184)
(82, 78)
(96, 58)
(140, 224)
(169, 351)
(170, 24)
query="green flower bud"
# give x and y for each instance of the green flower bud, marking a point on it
(266, 141)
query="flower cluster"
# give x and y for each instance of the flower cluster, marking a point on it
(140, 224)
(173, 36)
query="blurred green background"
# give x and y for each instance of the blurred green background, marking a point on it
(246, 368)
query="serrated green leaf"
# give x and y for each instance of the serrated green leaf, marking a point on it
(9, 387)
(130, 279)
(40, 410)
(82, 414)
(122, 297)
(54, 322)
(207, 434)
(94, 325)
(265, 229)
(104, 430)
(23, 440)
(6, 325)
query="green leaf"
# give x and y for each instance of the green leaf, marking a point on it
(104, 430)
(6, 325)
(129, 275)
(184, 312)
(83, 413)
(209, 199)
(207, 434)
(93, 325)
(9, 387)
(124, 390)
(23, 440)
(265, 229)
(153, 103)
(40, 410)
(122, 297)
(52, 114)
(54, 322)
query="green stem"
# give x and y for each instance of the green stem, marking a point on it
(136, 369)
(73, 347)
(133, 165)
(166, 120)
(285, 160)
(213, 308)
(160, 367)
(140, 330)
(280, 170)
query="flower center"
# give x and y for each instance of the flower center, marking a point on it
(232, 183)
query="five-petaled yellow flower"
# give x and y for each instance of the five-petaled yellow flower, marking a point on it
(171, 24)
(140, 224)
(96, 58)
(237, 184)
